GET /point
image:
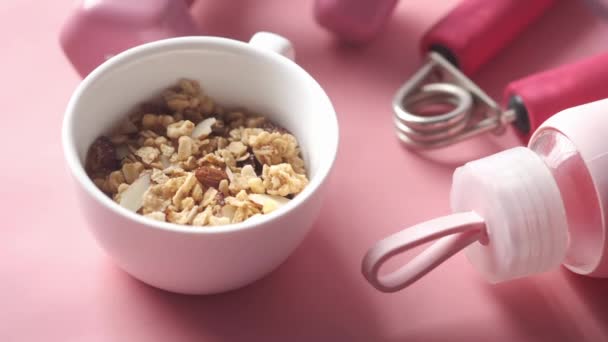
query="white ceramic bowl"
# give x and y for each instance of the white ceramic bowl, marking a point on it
(258, 75)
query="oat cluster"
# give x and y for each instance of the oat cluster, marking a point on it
(184, 159)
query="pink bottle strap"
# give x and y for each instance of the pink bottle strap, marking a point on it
(453, 232)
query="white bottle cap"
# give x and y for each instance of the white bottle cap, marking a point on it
(518, 198)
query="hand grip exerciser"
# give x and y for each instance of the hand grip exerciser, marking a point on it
(440, 105)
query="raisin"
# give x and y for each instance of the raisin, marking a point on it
(154, 107)
(220, 198)
(193, 115)
(274, 128)
(101, 157)
(253, 161)
(219, 128)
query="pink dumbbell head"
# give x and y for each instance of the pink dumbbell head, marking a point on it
(99, 29)
(355, 21)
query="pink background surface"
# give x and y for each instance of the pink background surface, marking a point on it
(57, 285)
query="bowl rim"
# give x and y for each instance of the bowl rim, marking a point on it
(183, 43)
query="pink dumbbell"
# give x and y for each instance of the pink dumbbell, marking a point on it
(99, 29)
(355, 21)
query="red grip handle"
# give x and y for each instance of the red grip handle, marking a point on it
(476, 30)
(546, 93)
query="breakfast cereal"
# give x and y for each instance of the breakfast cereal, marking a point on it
(182, 158)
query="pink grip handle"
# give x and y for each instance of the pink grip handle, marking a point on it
(476, 30)
(546, 93)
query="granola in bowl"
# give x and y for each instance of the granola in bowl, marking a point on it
(184, 159)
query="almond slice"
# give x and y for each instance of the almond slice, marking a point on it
(228, 211)
(203, 129)
(164, 160)
(269, 203)
(237, 148)
(133, 197)
(243, 157)
(229, 174)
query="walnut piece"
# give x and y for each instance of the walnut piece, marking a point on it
(131, 171)
(185, 147)
(157, 215)
(180, 128)
(282, 180)
(147, 154)
(184, 189)
(182, 217)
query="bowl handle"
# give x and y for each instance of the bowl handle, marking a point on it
(273, 42)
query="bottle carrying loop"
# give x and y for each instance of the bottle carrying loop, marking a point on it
(453, 233)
